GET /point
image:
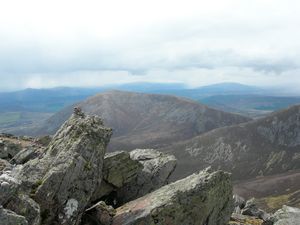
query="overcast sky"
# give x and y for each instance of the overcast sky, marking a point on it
(94, 43)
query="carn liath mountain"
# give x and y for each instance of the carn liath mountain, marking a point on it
(147, 120)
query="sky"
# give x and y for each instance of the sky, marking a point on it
(95, 43)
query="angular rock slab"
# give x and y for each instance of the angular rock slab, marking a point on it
(64, 179)
(202, 198)
(157, 168)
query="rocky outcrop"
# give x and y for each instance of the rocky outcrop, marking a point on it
(247, 212)
(250, 214)
(286, 216)
(157, 168)
(251, 209)
(202, 198)
(63, 180)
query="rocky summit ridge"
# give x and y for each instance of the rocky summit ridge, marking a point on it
(72, 181)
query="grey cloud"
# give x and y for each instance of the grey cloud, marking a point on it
(252, 42)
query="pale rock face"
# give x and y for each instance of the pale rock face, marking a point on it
(218, 151)
(71, 207)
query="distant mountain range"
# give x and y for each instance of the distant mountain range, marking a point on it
(54, 99)
(23, 110)
(250, 105)
(142, 120)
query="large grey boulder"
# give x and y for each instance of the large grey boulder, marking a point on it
(118, 170)
(286, 216)
(63, 180)
(8, 217)
(202, 198)
(157, 168)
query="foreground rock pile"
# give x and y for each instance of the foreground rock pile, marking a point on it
(247, 213)
(72, 180)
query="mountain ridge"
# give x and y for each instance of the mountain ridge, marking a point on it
(143, 120)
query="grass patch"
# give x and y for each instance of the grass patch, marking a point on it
(277, 202)
(9, 117)
(273, 203)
